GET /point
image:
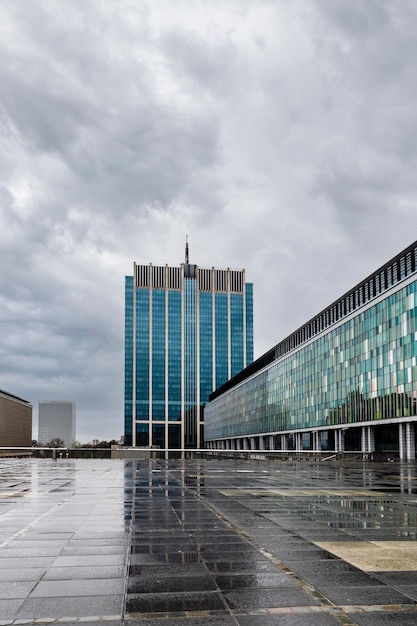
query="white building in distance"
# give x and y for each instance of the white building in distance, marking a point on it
(57, 420)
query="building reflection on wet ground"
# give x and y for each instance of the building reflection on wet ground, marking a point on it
(207, 542)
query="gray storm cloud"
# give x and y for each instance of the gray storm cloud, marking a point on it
(281, 137)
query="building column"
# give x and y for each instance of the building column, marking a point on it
(368, 439)
(252, 443)
(261, 443)
(317, 440)
(364, 439)
(402, 442)
(298, 442)
(339, 441)
(245, 444)
(410, 438)
(271, 442)
(284, 445)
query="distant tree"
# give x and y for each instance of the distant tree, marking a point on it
(56, 442)
(106, 444)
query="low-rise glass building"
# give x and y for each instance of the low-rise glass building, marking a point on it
(344, 381)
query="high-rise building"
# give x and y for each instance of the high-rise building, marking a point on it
(57, 421)
(187, 331)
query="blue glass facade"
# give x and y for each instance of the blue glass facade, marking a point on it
(128, 357)
(206, 345)
(221, 335)
(188, 330)
(355, 365)
(174, 356)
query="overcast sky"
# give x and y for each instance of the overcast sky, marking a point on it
(280, 136)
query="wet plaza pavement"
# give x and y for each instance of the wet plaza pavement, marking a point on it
(207, 542)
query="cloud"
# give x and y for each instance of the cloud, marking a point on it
(281, 137)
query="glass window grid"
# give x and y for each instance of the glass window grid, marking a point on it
(222, 339)
(166, 346)
(363, 370)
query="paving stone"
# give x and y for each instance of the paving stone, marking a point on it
(268, 598)
(396, 618)
(380, 595)
(172, 602)
(305, 619)
(64, 546)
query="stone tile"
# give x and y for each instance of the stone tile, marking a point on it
(252, 581)
(397, 578)
(268, 598)
(408, 590)
(58, 607)
(339, 579)
(29, 563)
(84, 572)
(75, 550)
(165, 557)
(364, 595)
(396, 618)
(86, 587)
(240, 567)
(304, 619)
(13, 590)
(89, 560)
(21, 574)
(173, 602)
(89, 621)
(16, 552)
(167, 570)
(177, 584)
(211, 620)
(9, 608)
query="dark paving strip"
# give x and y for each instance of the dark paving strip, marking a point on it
(179, 559)
(207, 560)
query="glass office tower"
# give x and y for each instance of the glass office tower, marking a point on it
(187, 331)
(345, 381)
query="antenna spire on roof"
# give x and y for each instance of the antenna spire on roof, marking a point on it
(186, 249)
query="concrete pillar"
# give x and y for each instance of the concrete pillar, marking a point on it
(261, 443)
(367, 439)
(284, 443)
(410, 438)
(271, 442)
(340, 440)
(252, 443)
(371, 438)
(298, 442)
(364, 439)
(401, 439)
